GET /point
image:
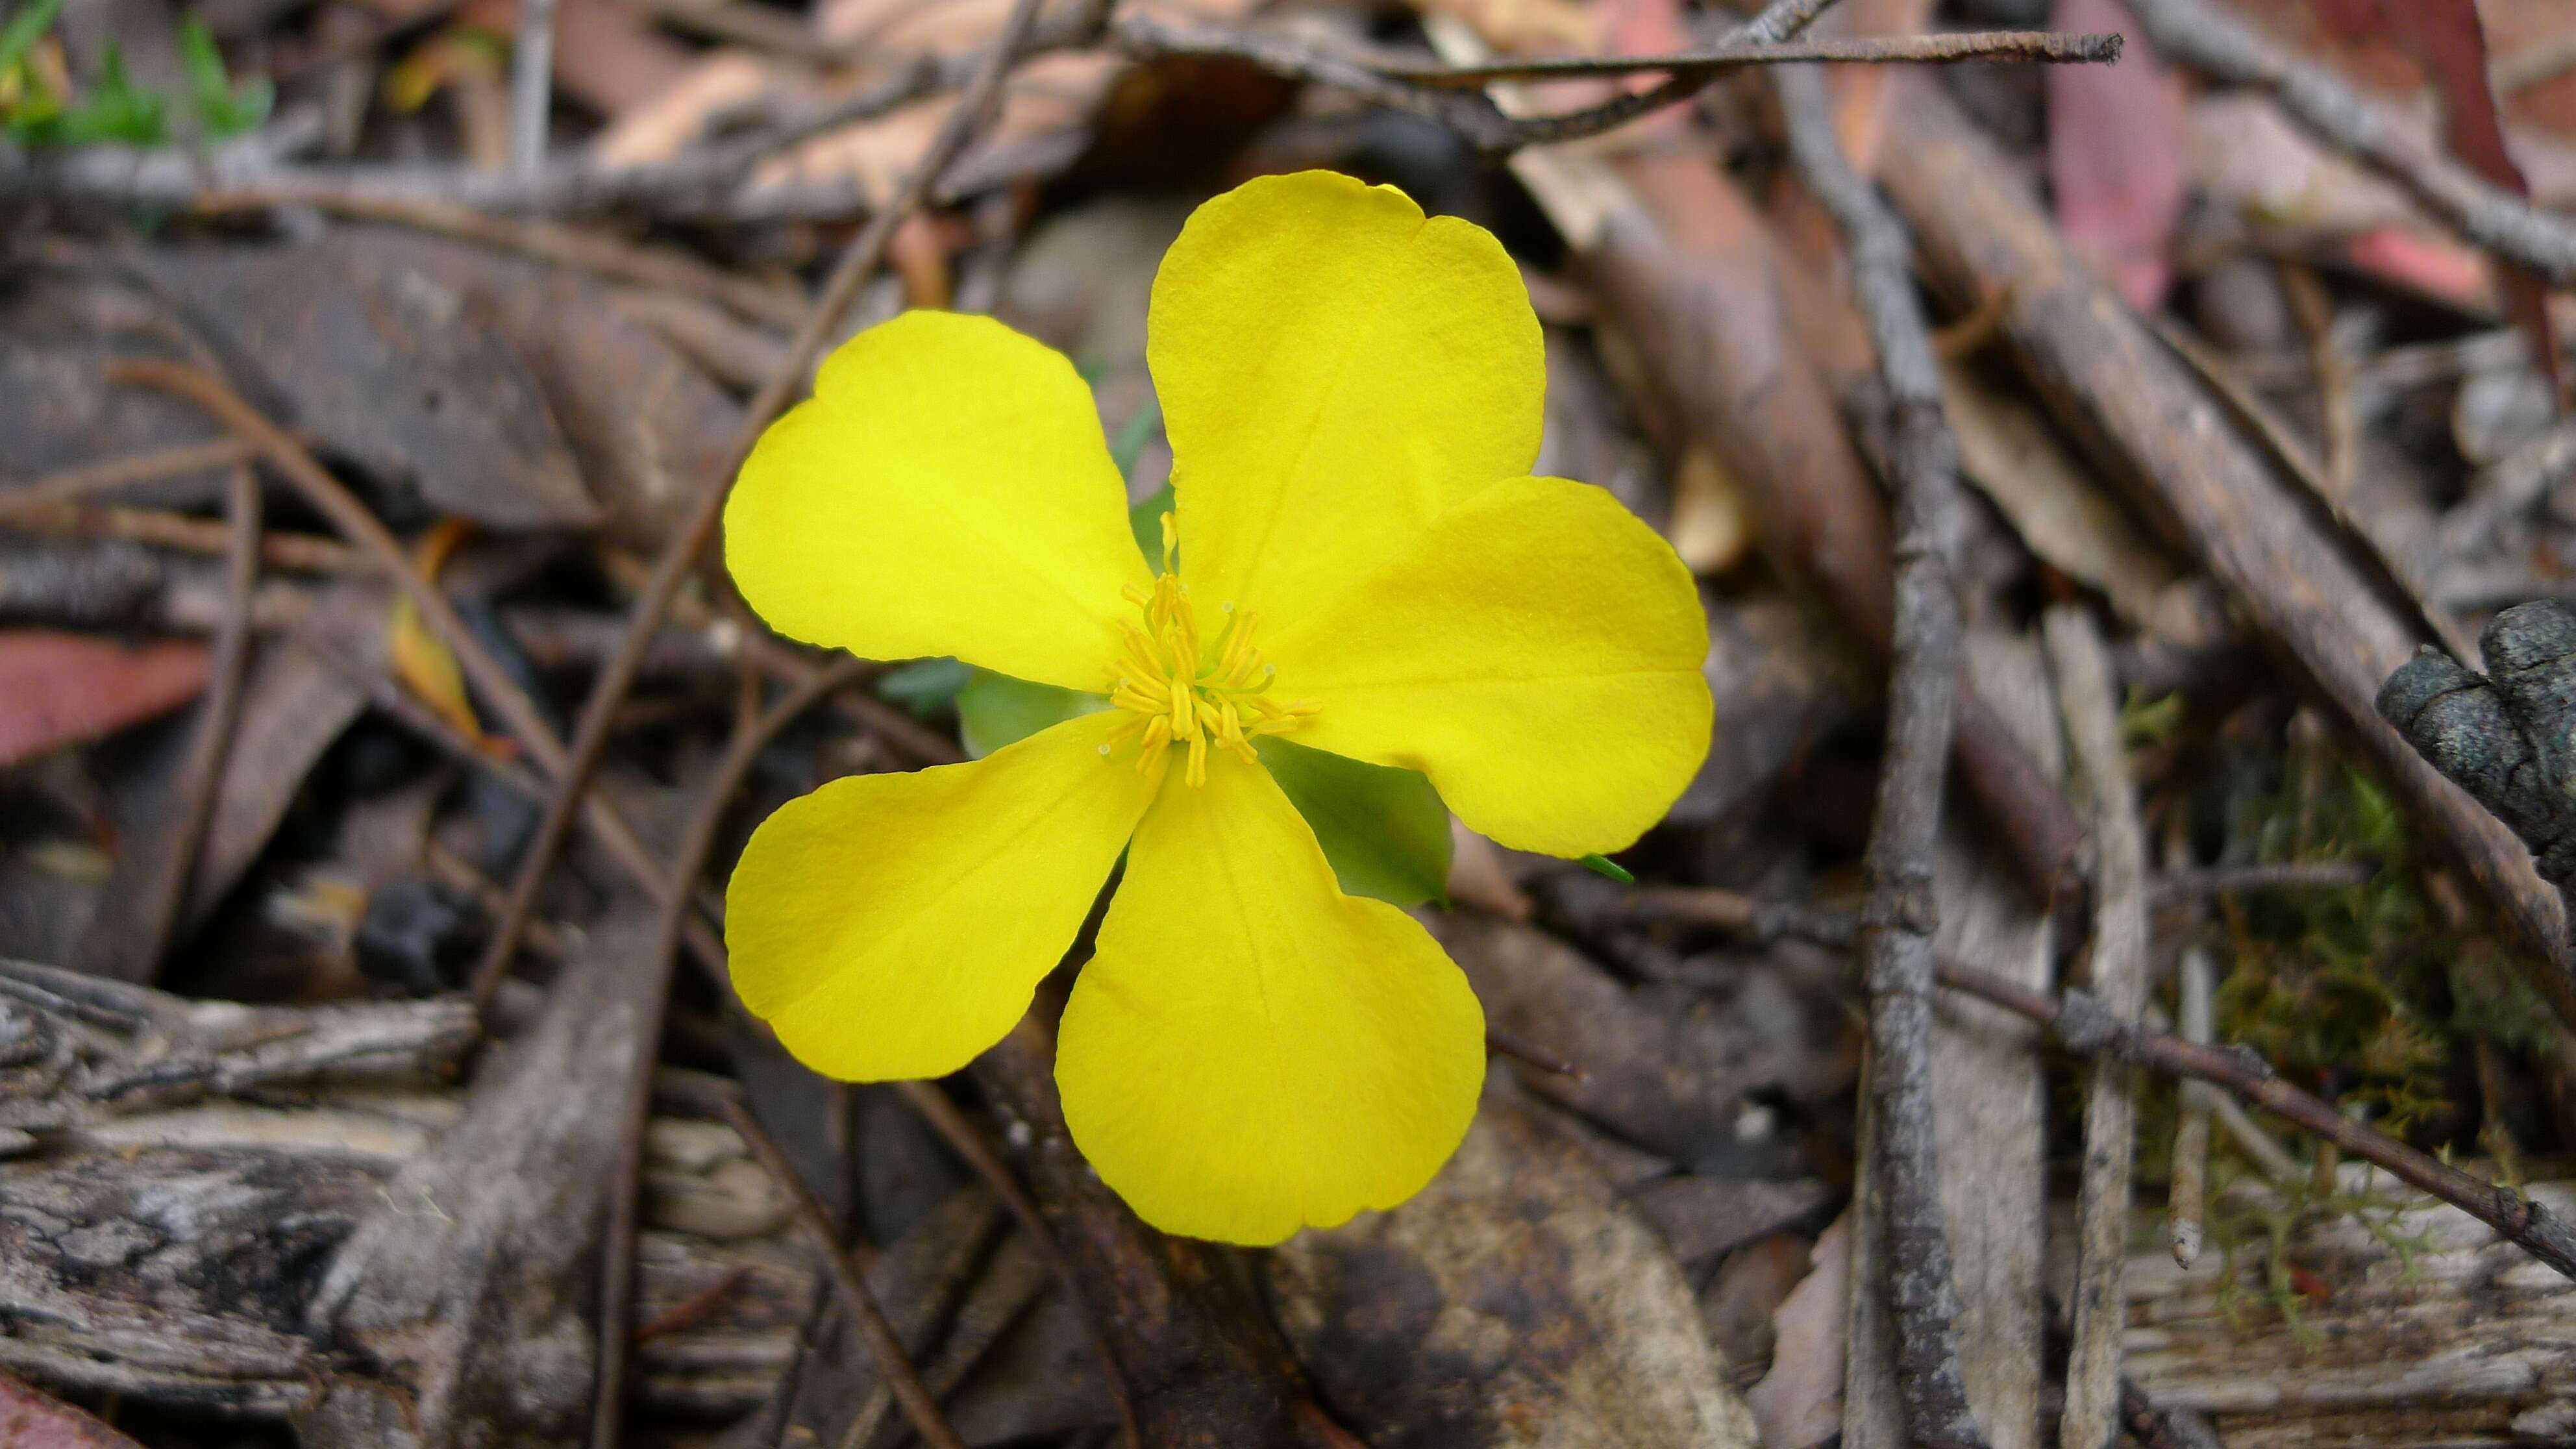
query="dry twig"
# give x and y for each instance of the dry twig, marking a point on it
(617, 1277)
(201, 777)
(1896, 929)
(2187, 1194)
(2099, 1309)
(1987, 45)
(74, 484)
(857, 1300)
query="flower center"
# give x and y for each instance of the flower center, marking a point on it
(1180, 690)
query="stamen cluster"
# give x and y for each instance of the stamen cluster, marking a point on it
(1181, 692)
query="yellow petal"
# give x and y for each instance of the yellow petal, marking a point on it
(1251, 1050)
(945, 491)
(1536, 652)
(1334, 370)
(895, 926)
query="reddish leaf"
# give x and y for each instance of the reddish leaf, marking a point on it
(31, 1420)
(2116, 145)
(58, 688)
(2447, 39)
(2433, 265)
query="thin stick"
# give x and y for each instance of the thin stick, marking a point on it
(2304, 875)
(532, 79)
(2187, 1195)
(74, 484)
(857, 1300)
(617, 1265)
(2089, 701)
(1779, 21)
(856, 265)
(1896, 929)
(2048, 46)
(606, 256)
(201, 779)
(2197, 34)
(352, 520)
(162, 528)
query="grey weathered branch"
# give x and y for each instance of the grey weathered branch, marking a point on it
(77, 1049)
(2198, 34)
(1896, 929)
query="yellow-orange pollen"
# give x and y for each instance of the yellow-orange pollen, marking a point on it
(1178, 691)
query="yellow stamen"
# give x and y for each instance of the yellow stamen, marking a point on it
(1179, 690)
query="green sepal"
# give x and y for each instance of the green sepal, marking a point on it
(1604, 865)
(1384, 829)
(994, 710)
(1145, 520)
(925, 687)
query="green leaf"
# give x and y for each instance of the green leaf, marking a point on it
(23, 31)
(1145, 520)
(994, 710)
(116, 111)
(1384, 829)
(1130, 443)
(224, 109)
(1604, 865)
(925, 686)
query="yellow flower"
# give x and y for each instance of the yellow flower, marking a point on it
(1352, 393)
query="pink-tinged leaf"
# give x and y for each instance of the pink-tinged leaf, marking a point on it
(31, 1420)
(2447, 37)
(2116, 143)
(57, 689)
(2448, 40)
(2435, 266)
(2364, 17)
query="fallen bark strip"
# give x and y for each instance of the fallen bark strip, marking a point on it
(76, 1050)
(467, 1303)
(2117, 390)
(175, 1176)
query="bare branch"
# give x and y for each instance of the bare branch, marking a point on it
(1986, 45)
(1896, 929)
